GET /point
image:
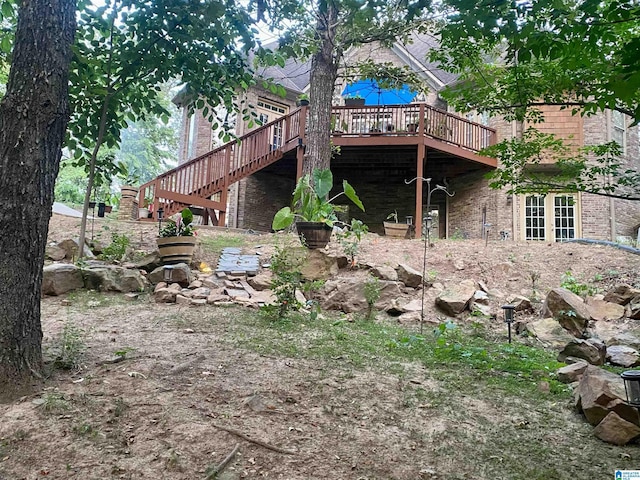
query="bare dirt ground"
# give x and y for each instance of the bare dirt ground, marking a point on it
(316, 401)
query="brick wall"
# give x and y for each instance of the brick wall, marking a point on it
(264, 194)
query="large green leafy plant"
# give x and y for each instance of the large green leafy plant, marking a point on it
(311, 202)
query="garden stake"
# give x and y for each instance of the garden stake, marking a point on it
(426, 234)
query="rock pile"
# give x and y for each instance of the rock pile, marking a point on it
(600, 396)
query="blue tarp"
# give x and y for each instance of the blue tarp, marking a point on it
(373, 94)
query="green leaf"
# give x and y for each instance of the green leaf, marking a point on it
(323, 182)
(187, 217)
(351, 194)
(282, 219)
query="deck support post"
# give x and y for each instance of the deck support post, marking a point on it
(421, 157)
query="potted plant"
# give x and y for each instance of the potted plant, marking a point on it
(355, 100)
(177, 241)
(143, 211)
(395, 229)
(303, 100)
(311, 209)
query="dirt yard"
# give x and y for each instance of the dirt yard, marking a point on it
(168, 392)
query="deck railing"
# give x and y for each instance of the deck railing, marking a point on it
(411, 120)
(213, 172)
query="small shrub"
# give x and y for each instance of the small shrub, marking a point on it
(350, 238)
(287, 279)
(71, 347)
(571, 283)
(371, 294)
(117, 249)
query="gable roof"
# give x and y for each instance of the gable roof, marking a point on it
(415, 53)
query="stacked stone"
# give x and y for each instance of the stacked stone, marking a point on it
(128, 204)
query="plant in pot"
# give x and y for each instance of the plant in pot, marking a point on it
(395, 229)
(177, 239)
(303, 100)
(312, 210)
(354, 100)
(143, 211)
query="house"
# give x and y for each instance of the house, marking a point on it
(383, 148)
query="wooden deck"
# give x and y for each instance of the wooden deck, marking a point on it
(204, 181)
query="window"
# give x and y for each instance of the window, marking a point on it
(550, 217)
(534, 218)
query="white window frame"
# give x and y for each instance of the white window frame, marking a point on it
(549, 217)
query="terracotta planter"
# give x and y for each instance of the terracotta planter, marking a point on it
(129, 191)
(397, 230)
(176, 249)
(314, 235)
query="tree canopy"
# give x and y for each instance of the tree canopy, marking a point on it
(513, 57)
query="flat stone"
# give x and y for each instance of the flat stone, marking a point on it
(616, 430)
(61, 278)
(409, 276)
(592, 350)
(201, 293)
(198, 302)
(384, 272)
(569, 309)
(182, 300)
(572, 373)
(603, 310)
(621, 294)
(623, 356)
(236, 293)
(453, 300)
(164, 295)
(215, 298)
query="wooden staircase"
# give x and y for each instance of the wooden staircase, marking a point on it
(204, 181)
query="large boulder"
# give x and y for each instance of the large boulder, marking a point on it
(409, 276)
(623, 356)
(621, 294)
(149, 262)
(71, 247)
(616, 430)
(603, 310)
(592, 350)
(550, 332)
(318, 265)
(111, 278)
(347, 295)
(181, 274)
(600, 392)
(384, 272)
(453, 300)
(61, 278)
(569, 309)
(55, 253)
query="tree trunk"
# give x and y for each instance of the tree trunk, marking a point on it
(324, 71)
(33, 119)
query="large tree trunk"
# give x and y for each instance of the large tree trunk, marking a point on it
(33, 119)
(324, 71)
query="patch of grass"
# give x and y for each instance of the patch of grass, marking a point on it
(512, 368)
(215, 244)
(54, 402)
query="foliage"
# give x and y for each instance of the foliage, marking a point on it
(287, 280)
(117, 249)
(181, 227)
(70, 348)
(572, 284)
(350, 237)
(393, 216)
(513, 58)
(310, 203)
(372, 290)
(595, 169)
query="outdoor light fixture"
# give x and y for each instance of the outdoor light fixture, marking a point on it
(409, 220)
(160, 217)
(509, 311)
(428, 221)
(167, 273)
(632, 386)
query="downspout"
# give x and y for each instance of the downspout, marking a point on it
(514, 199)
(612, 201)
